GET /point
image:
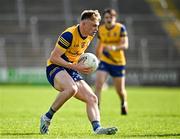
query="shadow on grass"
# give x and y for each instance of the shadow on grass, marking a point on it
(126, 136)
(161, 115)
(158, 135)
(18, 134)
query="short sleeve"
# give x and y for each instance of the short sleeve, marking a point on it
(123, 32)
(65, 40)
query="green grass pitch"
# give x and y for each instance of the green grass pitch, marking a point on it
(154, 112)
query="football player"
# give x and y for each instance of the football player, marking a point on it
(63, 72)
(111, 43)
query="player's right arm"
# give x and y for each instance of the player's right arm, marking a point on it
(62, 44)
(55, 57)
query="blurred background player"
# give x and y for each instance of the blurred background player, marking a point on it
(111, 43)
(62, 71)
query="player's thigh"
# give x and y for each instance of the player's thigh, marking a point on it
(63, 80)
(85, 92)
(101, 77)
(119, 83)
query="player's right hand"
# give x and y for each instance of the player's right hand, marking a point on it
(82, 68)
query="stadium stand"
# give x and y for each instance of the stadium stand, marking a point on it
(177, 4)
(145, 29)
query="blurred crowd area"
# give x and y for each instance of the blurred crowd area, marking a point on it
(30, 28)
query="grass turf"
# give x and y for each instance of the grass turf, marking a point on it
(154, 112)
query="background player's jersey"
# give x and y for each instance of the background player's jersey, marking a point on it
(112, 37)
(72, 43)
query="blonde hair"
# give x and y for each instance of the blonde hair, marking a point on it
(90, 14)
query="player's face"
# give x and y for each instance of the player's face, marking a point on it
(109, 20)
(91, 27)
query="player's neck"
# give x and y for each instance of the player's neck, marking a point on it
(81, 32)
(109, 27)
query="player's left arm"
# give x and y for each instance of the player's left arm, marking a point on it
(123, 44)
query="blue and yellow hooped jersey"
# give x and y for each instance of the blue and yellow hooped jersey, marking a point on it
(112, 37)
(72, 43)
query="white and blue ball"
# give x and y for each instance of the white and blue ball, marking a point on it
(89, 60)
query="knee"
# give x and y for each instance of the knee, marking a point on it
(92, 99)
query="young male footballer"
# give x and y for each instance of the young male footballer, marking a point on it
(111, 43)
(63, 72)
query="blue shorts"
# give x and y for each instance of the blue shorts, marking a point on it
(53, 69)
(113, 70)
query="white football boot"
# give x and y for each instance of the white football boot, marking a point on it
(44, 124)
(107, 131)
